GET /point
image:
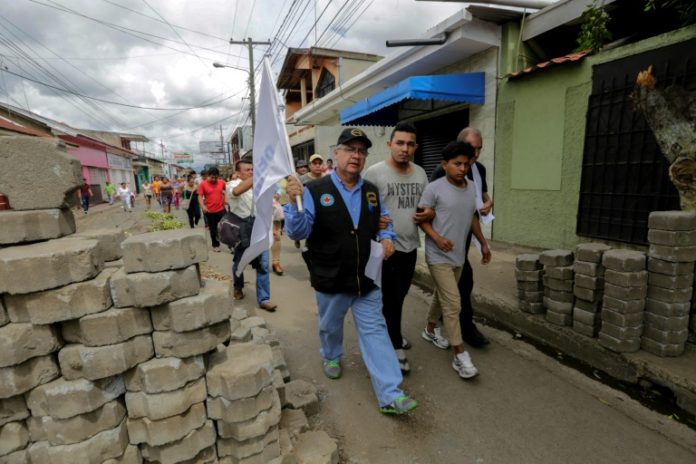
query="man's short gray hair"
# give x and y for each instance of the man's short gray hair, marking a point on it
(466, 132)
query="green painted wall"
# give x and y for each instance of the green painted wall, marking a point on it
(540, 127)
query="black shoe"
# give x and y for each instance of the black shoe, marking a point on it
(475, 338)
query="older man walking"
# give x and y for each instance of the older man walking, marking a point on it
(340, 220)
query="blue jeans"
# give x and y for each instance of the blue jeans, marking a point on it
(375, 346)
(263, 279)
(85, 202)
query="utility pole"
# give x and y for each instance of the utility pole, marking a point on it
(222, 147)
(252, 87)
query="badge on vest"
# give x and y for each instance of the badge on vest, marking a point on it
(327, 200)
(371, 200)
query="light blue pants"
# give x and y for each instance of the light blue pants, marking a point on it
(263, 278)
(376, 348)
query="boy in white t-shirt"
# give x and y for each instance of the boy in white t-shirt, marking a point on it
(124, 194)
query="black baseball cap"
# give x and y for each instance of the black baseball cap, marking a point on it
(353, 133)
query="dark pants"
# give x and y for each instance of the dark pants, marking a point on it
(194, 212)
(213, 219)
(85, 202)
(466, 286)
(397, 273)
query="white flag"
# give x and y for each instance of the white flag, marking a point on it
(272, 160)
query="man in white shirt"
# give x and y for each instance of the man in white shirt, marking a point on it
(241, 201)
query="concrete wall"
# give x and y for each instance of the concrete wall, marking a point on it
(540, 141)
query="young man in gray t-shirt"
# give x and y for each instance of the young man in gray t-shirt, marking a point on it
(454, 201)
(400, 183)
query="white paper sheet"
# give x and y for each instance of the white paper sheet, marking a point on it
(373, 269)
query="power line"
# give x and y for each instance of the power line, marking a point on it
(152, 108)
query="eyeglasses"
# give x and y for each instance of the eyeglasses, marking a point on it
(352, 150)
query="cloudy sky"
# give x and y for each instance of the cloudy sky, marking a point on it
(117, 57)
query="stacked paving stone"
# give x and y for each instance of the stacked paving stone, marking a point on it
(530, 287)
(625, 289)
(672, 238)
(588, 288)
(558, 286)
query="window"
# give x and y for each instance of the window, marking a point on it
(624, 174)
(326, 83)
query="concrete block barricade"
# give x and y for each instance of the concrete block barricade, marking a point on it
(625, 288)
(110, 327)
(183, 449)
(31, 226)
(45, 265)
(22, 341)
(15, 380)
(163, 251)
(530, 289)
(164, 374)
(168, 430)
(120, 291)
(186, 344)
(210, 306)
(558, 299)
(62, 399)
(157, 406)
(153, 289)
(60, 174)
(672, 253)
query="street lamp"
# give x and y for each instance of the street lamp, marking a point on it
(220, 65)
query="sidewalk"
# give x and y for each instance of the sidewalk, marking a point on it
(495, 302)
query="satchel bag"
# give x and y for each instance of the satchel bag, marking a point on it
(230, 229)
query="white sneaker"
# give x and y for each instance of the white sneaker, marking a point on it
(463, 365)
(435, 338)
(403, 362)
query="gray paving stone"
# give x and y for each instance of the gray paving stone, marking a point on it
(527, 262)
(316, 447)
(157, 406)
(586, 330)
(241, 371)
(22, 341)
(666, 323)
(560, 273)
(585, 281)
(674, 254)
(622, 333)
(99, 448)
(622, 320)
(669, 337)
(243, 450)
(4, 317)
(61, 304)
(530, 286)
(585, 317)
(260, 425)
(662, 349)
(624, 260)
(110, 327)
(120, 291)
(668, 281)
(558, 258)
(662, 308)
(592, 306)
(130, 456)
(625, 293)
(672, 237)
(294, 421)
(60, 174)
(62, 399)
(15, 380)
(77, 428)
(31, 226)
(532, 297)
(588, 294)
(300, 394)
(164, 250)
(164, 374)
(244, 409)
(559, 285)
(186, 344)
(183, 449)
(617, 345)
(210, 306)
(589, 269)
(528, 276)
(13, 437)
(623, 306)
(672, 220)
(169, 430)
(562, 297)
(680, 295)
(157, 288)
(13, 409)
(109, 241)
(626, 279)
(45, 265)
(562, 319)
(591, 252)
(98, 362)
(669, 268)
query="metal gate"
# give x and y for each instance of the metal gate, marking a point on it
(624, 174)
(434, 134)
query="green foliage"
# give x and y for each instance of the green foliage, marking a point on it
(685, 9)
(593, 32)
(163, 221)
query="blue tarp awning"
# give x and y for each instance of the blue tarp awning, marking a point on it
(382, 109)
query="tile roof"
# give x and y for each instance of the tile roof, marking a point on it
(552, 62)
